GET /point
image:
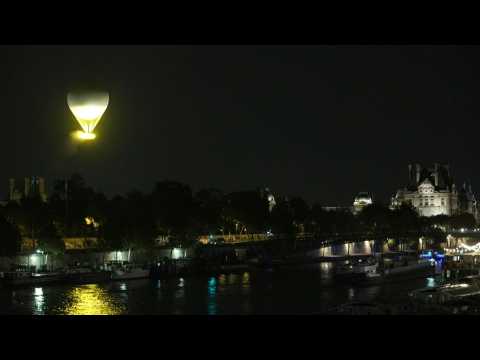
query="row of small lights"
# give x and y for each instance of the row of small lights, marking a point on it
(474, 230)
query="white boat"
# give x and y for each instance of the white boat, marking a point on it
(359, 269)
(129, 271)
(372, 271)
(18, 278)
(466, 287)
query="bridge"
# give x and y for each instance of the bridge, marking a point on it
(473, 233)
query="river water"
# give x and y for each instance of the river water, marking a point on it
(301, 290)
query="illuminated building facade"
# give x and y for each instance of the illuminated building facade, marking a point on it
(432, 192)
(361, 200)
(266, 193)
(32, 187)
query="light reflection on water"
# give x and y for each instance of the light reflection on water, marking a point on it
(246, 280)
(90, 300)
(212, 299)
(232, 279)
(38, 302)
(351, 293)
(306, 291)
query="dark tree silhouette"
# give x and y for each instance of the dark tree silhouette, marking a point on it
(49, 239)
(245, 210)
(173, 208)
(462, 221)
(10, 238)
(209, 204)
(113, 230)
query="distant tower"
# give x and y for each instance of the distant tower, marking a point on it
(35, 186)
(266, 193)
(26, 191)
(32, 186)
(418, 169)
(410, 177)
(12, 189)
(41, 189)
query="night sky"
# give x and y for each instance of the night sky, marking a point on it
(321, 122)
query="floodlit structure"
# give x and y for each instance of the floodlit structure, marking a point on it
(432, 192)
(361, 200)
(266, 193)
(88, 108)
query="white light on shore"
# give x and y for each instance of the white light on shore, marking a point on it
(177, 253)
(38, 292)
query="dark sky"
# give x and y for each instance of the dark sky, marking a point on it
(321, 122)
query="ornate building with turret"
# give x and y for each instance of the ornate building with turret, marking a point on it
(432, 192)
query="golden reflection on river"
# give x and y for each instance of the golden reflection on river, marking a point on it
(91, 300)
(38, 301)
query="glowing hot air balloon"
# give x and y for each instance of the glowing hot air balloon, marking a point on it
(88, 108)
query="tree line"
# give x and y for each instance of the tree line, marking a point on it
(173, 210)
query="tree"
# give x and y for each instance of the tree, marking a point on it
(113, 230)
(436, 236)
(344, 223)
(247, 211)
(15, 215)
(10, 238)
(97, 209)
(35, 216)
(300, 212)
(441, 221)
(282, 224)
(405, 223)
(71, 201)
(462, 221)
(139, 223)
(320, 220)
(173, 209)
(208, 211)
(282, 218)
(375, 220)
(49, 240)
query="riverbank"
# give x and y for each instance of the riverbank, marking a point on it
(236, 293)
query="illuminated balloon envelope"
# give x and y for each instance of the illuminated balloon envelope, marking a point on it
(88, 108)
